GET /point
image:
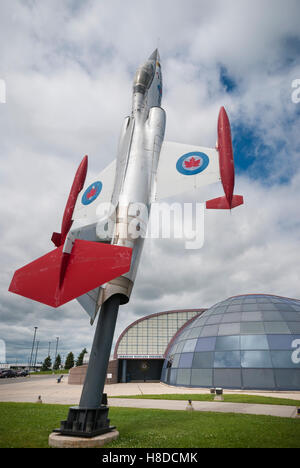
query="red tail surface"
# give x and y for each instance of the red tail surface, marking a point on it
(223, 204)
(90, 265)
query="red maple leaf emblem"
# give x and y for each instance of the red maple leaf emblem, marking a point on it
(192, 163)
(91, 193)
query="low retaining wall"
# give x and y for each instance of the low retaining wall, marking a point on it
(77, 374)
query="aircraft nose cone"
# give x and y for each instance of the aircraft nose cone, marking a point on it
(154, 56)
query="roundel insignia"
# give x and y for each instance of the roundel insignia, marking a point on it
(91, 193)
(192, 163)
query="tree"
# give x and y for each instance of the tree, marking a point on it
(69, 361)
(79, 361)
(47, 364)
(57, 363)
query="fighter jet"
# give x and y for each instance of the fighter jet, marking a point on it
(96, 254)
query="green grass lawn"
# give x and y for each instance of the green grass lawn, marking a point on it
(50, 372)
(231, 398)
(29, 425)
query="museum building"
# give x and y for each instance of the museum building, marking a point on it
(245, 342)
(142, 348)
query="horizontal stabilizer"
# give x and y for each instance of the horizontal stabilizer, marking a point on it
(90, 265)
(223, 204)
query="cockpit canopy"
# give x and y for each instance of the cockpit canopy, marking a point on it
(143, 78)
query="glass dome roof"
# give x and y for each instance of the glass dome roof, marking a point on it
(247, 342)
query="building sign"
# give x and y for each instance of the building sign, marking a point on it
(144, 356)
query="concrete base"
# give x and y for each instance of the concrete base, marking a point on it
(57, 440)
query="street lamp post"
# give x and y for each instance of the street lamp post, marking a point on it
(57, 338)
(37, 348)
(33, 342)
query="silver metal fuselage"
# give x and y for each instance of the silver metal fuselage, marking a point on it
(139, 148)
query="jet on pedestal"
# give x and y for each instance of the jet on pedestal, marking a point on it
(96, 254)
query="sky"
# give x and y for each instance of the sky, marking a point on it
(68, 67)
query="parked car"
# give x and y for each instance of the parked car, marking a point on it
(7, 373)
(22, 373)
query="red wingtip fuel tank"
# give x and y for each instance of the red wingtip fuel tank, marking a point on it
(226, 154)
(77, 186)
(226, 167)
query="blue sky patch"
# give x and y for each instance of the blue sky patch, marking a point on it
(227, 81)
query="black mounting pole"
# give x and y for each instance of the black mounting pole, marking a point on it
(90, 417)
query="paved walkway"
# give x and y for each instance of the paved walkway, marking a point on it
(63, 393)
(214, 406)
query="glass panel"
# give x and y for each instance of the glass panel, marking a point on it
(276, 327)
(283, 359)
(250, 307)
(214, 319)
(294, 327)
(199, 322)
(256, 359)
(175, 361)
(186, 360)
(195, 332)
(189, 346)
(284, 306)
(258, 378)
(290, 316)
(228, 342)
(183, 377)
(210, 330)
(271, 315)
(201, 377)
(287, 379)
(233, 317)
(173, 376)
(251, 316)
(262, 300)
(152, 322)
(229, 329)
(252, 328)
(206, 344)
(228, 378)
(233, 308)
(254, 342)
(203, 360)
(162, 318)
(180, 346)
(270, 306)
(227, 359)
(281, 341)
(220, 310)
(206, 313)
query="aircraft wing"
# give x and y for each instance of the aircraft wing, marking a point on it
(183, 168)
(96, 191)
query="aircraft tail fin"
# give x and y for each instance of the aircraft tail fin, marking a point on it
(89, 265)
(222, 203)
